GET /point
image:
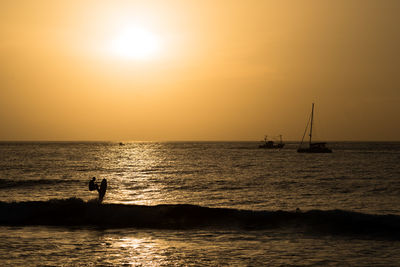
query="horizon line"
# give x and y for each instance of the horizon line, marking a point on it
(166, 141)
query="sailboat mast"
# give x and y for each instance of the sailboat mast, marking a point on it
(312, 118)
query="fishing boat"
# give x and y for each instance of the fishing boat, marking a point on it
(319, 147)
(269, 144)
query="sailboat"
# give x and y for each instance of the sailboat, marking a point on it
(271, 144)
(313, 147)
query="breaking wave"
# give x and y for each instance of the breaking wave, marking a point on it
(9, 183)
(76, 212)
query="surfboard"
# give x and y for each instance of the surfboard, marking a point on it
(102, 190)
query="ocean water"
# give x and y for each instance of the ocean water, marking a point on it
(199, 204)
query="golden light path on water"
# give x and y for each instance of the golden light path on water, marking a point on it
(139, 179)
(48, 246)
(154, 248)
(138, 250)
(149, 173)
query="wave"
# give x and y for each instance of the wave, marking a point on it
(8, 183)
(76, 212)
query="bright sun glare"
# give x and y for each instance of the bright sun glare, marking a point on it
(135, 43)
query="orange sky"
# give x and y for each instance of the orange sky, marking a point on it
(224, 70)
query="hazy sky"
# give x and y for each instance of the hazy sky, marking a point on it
(199, 70)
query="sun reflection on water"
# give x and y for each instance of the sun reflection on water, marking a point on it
(139, 250)
(138, 181)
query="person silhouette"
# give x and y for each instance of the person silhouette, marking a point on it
(93, 185)
(102, 189)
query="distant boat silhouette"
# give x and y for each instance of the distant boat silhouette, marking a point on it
(269, 144)
(313, 147)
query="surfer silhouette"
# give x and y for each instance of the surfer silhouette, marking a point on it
(102, 189)
(93, 185)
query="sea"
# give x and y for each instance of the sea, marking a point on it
(199, 204)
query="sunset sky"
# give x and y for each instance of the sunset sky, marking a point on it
(199, 70)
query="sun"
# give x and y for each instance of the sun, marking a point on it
(135, 43)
